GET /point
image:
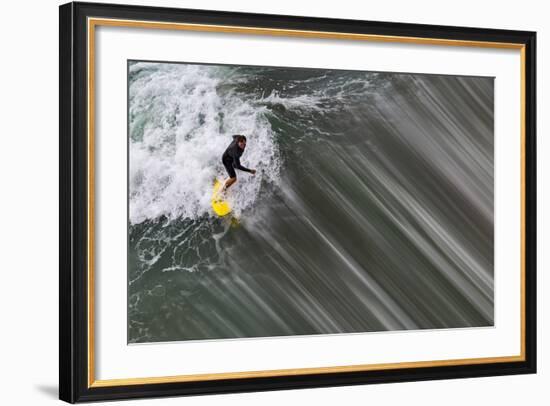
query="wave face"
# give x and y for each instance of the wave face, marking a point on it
(372, 207)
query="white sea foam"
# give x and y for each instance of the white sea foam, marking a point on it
(305, 102)
(180, 124)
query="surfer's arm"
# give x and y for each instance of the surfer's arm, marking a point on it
(237, 165)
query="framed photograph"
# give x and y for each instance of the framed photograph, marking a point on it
(255, 202)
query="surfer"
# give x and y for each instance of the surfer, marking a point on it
(231, 160)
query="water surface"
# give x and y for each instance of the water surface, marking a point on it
(372, 208)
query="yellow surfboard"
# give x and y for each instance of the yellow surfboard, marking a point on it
(220, 206)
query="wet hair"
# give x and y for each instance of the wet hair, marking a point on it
(240, 138)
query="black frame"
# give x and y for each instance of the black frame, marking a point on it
(73, 289)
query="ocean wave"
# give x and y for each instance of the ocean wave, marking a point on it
(181, 121)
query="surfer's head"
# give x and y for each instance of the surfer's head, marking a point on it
(241, 141)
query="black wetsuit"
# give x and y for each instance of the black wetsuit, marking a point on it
(231, 158)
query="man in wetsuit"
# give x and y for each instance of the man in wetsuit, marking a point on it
(231, 160)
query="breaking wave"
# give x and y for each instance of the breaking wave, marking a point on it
(181, 121)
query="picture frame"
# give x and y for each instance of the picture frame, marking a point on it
(79, 22)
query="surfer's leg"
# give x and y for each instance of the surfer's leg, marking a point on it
(228, 182)
(232, 176)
